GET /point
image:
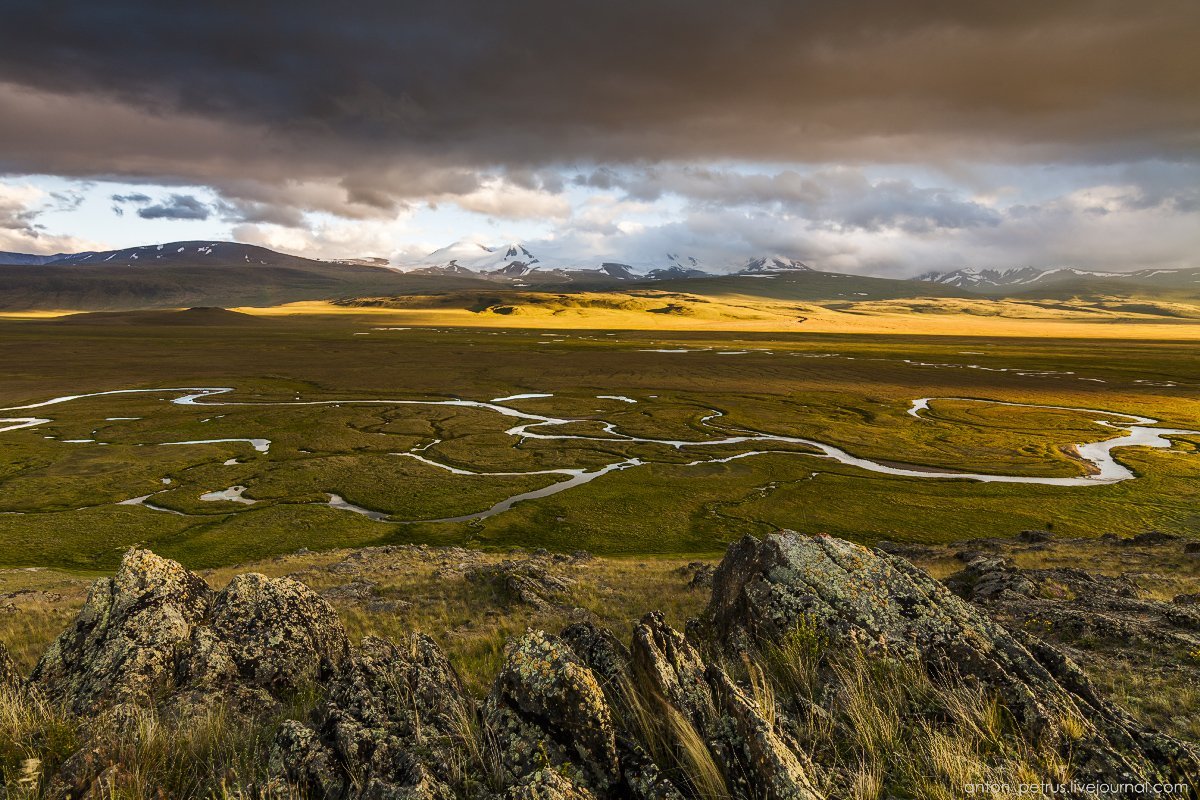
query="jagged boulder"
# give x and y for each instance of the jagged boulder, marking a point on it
(600, 649)
(279, 633)
(671, 667)
(393, 724)
(156, 635)
(674, 676)
(872, 600)
(546, 704)
(300, 759)
(124, 644)
(772, 769)
(522, 582)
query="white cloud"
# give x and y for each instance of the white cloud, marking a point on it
(323, 240)
(20, 230)
(498, 198)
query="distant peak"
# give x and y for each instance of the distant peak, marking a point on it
(775, 263)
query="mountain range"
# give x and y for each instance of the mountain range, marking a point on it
(1027, 278)
(195, 273)
(207, 273)
(516, 264)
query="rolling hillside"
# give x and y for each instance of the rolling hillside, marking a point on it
(183, 274)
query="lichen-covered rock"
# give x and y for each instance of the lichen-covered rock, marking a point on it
(393, 724)
(870, 599)
(155, 635)
(580, 716)
(547, 705)
(298, 759)
(989, 576)
(1070, 604)
(610, 661)
(280, 635)
(644, 779)
(548, 784)
(124, 644)
(665, 661)
(603, 652)
(775, 771)
(671, 671)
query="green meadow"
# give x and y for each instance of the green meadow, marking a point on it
(63, 482)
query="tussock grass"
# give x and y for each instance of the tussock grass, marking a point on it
(216, 753)
(669, 737)
(887, 729)
(35, 739)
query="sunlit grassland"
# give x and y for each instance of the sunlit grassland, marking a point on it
(760, 312)
(853, 392)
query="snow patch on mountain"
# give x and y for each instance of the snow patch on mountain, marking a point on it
(774, 263)
(971, 278)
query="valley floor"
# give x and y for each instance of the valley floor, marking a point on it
(434, 426)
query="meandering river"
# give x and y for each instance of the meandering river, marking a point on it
(1105, 469)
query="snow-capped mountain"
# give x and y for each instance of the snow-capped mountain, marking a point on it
(766, 264)
(969, 278)
(679, 261)
(1029, 277)
(518, 262)
(515, 263)
(512, 260)
(622, 272)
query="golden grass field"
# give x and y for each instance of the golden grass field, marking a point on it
(933, 317)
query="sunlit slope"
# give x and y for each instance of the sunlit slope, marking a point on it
(867, 305)
(808, 285)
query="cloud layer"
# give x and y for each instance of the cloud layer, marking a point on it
(292, 114)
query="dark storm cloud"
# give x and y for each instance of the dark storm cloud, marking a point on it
(177, 207)
(252, 91)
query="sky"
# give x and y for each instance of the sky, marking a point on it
(867, 136)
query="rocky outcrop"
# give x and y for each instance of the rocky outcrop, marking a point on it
(582, 715)
(673, 669)
(548, 784)
(525, 582)
(156, 636)
(699, 574)
(124, 645)
(393, 724)
(1072, 606)
(547, 706)
(882, 603)
(772, 769)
